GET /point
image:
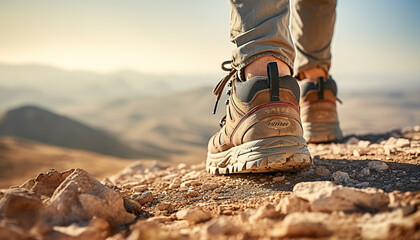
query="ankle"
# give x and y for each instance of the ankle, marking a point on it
(259, 67)
(313, 74)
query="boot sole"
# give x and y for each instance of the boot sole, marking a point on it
(322, 132)
(272, 154)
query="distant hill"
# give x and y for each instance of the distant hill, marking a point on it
(41, 125)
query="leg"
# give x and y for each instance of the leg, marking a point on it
(261, 34)
(261, 131)
(312, 29)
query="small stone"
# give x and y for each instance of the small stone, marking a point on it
(208, 186)
(363, 144)
(377, 166)
(341, 177)
(162, 206)
(144, 198)
(279, 178)
(365, 172)
(362, 185)
(356, 153)
(182, 166)
(192, 193)
(402, 143)
(140, 188)
(322, 171)
(218, 190)
(191, 183)
(352, 141)
(193, 215)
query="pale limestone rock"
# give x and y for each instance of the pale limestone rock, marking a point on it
(377, 166)
(80, 197)
(311, 225)
(193, 215)
(322, 171)
(402, 143)
(327, 197)
(290, 204)
(363, 144)
(356, 153)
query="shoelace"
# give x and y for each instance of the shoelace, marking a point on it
(220, 86)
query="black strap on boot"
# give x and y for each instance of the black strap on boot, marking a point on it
(273, 78)
(320, 85)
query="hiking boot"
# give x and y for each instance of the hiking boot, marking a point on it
(261, 131)
(319, 112)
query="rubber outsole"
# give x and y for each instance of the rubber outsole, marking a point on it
(322, 132)
(285, 153)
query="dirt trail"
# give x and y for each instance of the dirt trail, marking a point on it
(367, 187)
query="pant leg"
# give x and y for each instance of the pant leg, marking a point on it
(260, 28)
(312, 29)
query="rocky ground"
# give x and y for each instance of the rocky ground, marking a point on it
(365, 187)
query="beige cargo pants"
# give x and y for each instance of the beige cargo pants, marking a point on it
(261, 28)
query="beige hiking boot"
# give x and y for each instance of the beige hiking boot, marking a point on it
(261, 131)
(319, 112)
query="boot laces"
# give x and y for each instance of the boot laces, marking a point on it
(220, 86)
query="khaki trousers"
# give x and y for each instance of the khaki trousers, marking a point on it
(261, 28)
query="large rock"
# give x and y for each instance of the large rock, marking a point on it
(45, 184)
(22, 206)
(327, 197)
(81, 197)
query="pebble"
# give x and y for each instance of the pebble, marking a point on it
(192, 193)
(353, 141)
(144, 197)
(356, 153)
(279, 178)
(377, 166)
(193, 215)
(209, 186)
(163, 206)
(362, 185)
(191, 183)
(140, 188)
(322, 171)
(341, 177)
(363, 144)
(365, 172)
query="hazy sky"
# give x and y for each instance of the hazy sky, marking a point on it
(190, 36)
